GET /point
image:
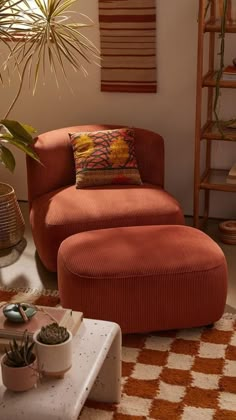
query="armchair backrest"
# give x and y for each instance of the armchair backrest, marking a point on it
(57, 163)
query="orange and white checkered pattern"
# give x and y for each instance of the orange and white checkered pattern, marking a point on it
(176, 375)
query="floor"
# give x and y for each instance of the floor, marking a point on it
(21, 267)
(25, 268)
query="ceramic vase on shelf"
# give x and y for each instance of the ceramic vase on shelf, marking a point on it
(12, 225)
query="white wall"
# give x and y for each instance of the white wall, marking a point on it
(171, 111)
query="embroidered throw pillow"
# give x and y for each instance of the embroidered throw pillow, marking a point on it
(105, 157)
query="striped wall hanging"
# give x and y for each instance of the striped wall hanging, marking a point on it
(128, 45)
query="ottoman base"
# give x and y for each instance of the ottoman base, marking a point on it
(145, 278)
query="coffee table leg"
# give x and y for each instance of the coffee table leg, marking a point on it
(107, 386)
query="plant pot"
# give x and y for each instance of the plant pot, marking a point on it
(12, 225)
(19, 378)
(228, 232)
(54, 359)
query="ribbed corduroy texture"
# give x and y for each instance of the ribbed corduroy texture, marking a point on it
(55, 152)
(145, 278)
(57, 215)
(59, 210)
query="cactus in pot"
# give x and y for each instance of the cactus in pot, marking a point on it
(19, 365)
(20, 354)
(54, 349)
(53, 334)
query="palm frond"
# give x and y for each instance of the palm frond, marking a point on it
(50, 36)
(45, 35)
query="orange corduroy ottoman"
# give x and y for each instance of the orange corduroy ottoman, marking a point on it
(145, 278)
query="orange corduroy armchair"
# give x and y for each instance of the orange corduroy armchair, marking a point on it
(58, 209)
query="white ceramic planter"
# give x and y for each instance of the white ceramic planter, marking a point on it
(19, 378)
(54, 359)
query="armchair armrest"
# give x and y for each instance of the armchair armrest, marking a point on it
(150, 154)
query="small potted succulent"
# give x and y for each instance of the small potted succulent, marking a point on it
(53, 344)
(19, 365)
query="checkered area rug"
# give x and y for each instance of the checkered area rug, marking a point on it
(173, 375)
(177, 375)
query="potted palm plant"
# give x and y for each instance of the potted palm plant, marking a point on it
(19, 365)
(53, 349)
(36, 36)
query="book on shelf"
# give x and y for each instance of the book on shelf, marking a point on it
(231, 177)
(45, 315)
(229, 73)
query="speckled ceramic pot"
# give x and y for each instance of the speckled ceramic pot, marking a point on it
(19, 378)
(54, 359)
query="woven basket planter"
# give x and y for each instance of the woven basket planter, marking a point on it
(12, 225)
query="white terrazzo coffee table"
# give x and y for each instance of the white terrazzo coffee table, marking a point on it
(96, 372)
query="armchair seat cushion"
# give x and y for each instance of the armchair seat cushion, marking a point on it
(66, 211)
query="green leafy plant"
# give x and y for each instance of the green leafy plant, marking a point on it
(20, 354)
(53, 334)
(18, 135)
(38, 36)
